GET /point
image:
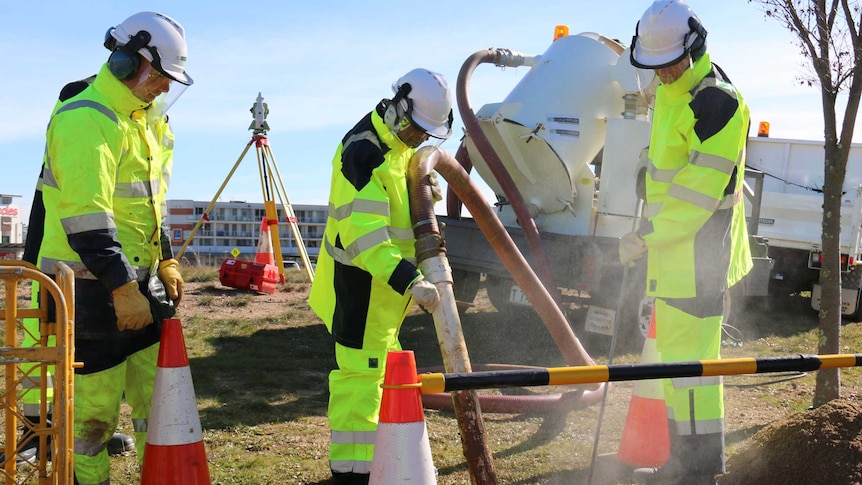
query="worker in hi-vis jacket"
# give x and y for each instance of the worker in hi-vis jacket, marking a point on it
(366, 274)
(695, 236)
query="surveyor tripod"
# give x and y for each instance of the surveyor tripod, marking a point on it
(271, 185)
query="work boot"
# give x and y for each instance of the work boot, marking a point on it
(30, 450)
(28, 455)
(120, 443)
(350, 478)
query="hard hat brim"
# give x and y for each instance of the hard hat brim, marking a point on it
(180, 77)
(437, 131)
(442, 132)
(642, 60)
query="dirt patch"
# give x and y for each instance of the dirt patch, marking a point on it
(822, 445)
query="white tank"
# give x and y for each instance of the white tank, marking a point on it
(552, 126)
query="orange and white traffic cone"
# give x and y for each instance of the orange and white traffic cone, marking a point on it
(646, 440)
(265, 254)
(402, 453)
(174, 453)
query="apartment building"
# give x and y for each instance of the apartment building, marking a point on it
(11, 228)
(236, 225)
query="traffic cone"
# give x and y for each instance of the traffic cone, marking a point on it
(265, 253)
(646, 441)
(402, 453)
(174, 452)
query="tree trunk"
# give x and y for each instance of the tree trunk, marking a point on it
(828, 385)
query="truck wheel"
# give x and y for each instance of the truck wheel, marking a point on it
(498, 289)
(853, 280)
(465, 285)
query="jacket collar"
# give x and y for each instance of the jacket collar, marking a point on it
(118, 95)
(384, 132)
(690, 78)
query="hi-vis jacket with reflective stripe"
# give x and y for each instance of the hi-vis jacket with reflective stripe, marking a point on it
(105, 175)
(696, 219)
(367, 260)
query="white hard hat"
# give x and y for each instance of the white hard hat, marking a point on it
(163, 42)
(429, 102)
(667, 32)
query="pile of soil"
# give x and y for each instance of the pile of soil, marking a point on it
(822, 445)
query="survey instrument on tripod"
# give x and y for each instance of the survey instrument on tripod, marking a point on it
(271, 185)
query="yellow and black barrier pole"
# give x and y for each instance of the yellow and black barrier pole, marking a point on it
(558, 376)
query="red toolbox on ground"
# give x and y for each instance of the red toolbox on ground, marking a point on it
(248, 275)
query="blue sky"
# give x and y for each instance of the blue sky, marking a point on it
(321, 66)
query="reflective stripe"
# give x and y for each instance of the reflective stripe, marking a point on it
(653, 209)
(693, 197)
(49, 266)
(685, 428)
(401, 234)
(166, 174)
(88, 448)
(683, 382)
(48, 176)
(35, 381)
(365, 135)
(338, 254)
(665, 175)
(712, 161)
(368, 241)
(359, 205)
(34, 409)
(348, 466)
(352, 437)
(375, 207)
(731, 200)
(88, 222)
(140, 425)
(130, 190)
(339, 213)
(86, 103)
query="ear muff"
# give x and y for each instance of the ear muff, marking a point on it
(396, 113)
(698, 46)
(124, 60)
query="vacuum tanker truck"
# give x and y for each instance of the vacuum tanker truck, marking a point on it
(561, 153)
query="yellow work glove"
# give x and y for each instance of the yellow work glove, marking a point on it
(425, 293)
(132, 307)
(436, 191)
(169, 273)
(632, 247)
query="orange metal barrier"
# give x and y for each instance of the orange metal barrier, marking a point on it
(60, 357)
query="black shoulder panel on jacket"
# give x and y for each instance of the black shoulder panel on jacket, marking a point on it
(713, 108)
(362, 151)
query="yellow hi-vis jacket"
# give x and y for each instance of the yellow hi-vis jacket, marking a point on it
(367, 261)
(105, 175)
(696, 232)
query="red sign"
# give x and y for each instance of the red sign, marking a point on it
(9, 211)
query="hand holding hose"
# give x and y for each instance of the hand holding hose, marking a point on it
(424, 293)
(169, 273)
(632, 247)
(436, 191)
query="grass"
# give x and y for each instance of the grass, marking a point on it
(260, 366)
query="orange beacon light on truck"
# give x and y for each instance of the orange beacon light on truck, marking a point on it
(561, 31)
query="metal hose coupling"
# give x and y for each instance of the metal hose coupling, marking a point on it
(429, 245)
(510, 58)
